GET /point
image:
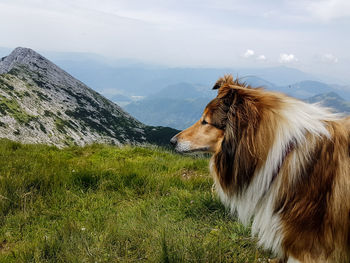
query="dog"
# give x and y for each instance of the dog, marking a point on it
(280, 164)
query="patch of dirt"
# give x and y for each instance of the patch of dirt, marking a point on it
(4, 246)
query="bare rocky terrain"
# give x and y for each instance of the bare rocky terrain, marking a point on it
(41, 103)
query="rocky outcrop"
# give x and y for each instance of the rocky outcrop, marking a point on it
(41, 103)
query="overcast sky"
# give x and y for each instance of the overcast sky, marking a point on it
(311, 35)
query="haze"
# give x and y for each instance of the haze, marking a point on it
(309, 35)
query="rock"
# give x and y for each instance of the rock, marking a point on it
(41, 103)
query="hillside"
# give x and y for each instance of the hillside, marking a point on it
(177, 106)
(332, 100)
(175, 113)
(41, 103)
(113, 204)
(180, 105)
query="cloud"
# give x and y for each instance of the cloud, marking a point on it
(328, 9)
(186, 33)
(249, 53)
(329, 58)
(287, 58)
(261, 58)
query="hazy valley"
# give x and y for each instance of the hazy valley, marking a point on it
(180, 105)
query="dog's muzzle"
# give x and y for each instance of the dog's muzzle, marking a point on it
(173, 141)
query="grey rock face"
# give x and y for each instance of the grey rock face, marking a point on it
(41, 103)
(20, 56)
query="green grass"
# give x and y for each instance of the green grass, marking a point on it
(109, 204)
(11, 107)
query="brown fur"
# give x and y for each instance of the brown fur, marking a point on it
(248, 133)
(313, 200)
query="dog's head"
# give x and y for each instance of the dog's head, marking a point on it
(224, 119)
(205, 135)
(231, 128)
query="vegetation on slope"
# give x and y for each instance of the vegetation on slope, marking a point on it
(109, 204)
(41, 103)
(332, 100)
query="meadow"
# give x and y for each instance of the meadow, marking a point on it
(114, 204)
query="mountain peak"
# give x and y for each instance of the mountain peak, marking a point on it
(42, 103)
(27, 58)
(23, 52)
(22, 56)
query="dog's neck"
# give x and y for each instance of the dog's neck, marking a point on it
(289, 148)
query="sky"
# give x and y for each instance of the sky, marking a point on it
(311, 35)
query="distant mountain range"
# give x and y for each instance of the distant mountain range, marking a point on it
(175, 97)
(128, 77)
(331, 100)
(132, 78)
(179, 106)
(41, 103)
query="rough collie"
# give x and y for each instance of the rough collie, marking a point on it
(280, 164)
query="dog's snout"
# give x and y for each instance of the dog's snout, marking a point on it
(173, 141)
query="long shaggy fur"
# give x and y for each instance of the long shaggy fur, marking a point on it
(284, 166)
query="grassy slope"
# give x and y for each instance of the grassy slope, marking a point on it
(108, 204)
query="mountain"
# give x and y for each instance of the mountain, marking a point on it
(185, 91)
(258, 82)
(182, 104)
(131, 77)
(332, 100)
(280, 76)
(307, 88)
(41, 103)
(137, 80)
(107, 74)
(175, 113)
(177, 106)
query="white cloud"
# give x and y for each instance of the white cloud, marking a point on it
(261, 58)
(249, 53)
(287, 58)
(329, 58)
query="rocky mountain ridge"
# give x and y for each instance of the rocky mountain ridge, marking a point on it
(41, 103)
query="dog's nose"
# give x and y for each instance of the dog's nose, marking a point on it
(173, 141)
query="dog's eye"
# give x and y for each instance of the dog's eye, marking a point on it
(204, 122)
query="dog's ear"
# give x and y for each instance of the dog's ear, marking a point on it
(237, 159)
(217, 85)
(226, 80)
(228, 89)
